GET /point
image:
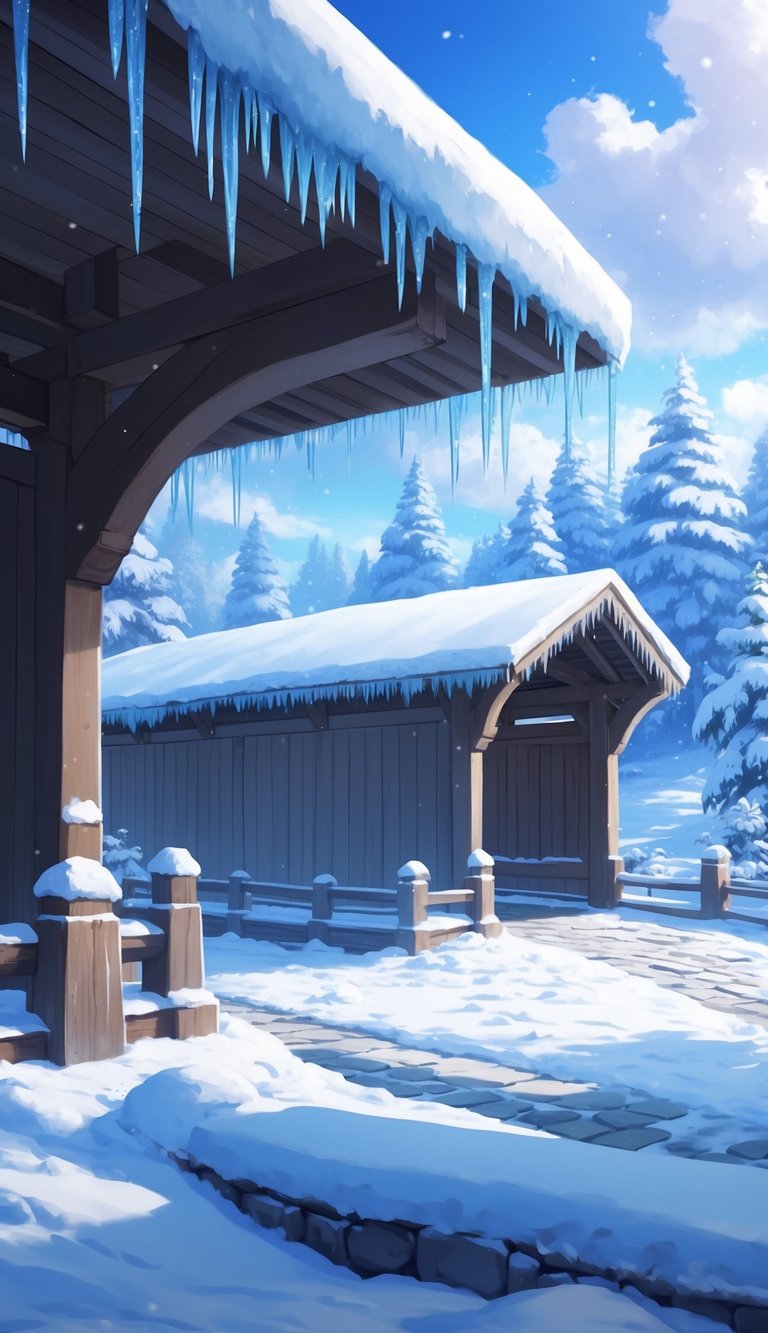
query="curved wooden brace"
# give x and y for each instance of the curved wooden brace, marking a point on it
(486, 712)
(631, 714)
(212, 380)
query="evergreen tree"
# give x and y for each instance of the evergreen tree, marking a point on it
(755, 497)
(191, 579)
(339, 584)
(486, 558)
(415, 557)
(532, 549)
(138, 608)
(309, 592)
(258, 592)
(681, 547)
(360, 588)
(579, 510)
(734, 714)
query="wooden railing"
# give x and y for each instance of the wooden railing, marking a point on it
(74, 959)
(714, 888)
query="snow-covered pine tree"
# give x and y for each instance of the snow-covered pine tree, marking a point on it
(532, 550)
(310, 591)
(578, 505)
(415, 557)
(339, 584)
(138, 608)
(191, 579)
(682, 545)
(360, 588)
(734, 715)
(755, 496)
(485, 560)
(258, 591)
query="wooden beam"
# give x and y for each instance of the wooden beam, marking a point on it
(91, 295)
(603, 806)
(567, 674)
(626, 647)
(631, 713)
(81, 716)
(597, 658)
(30, 293)
(203, 723)
(23, 399)
(208, 383)
(239, 300)
(486, 711)
(317, 712)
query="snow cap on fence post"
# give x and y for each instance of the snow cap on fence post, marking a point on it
(480, 860)
(412, 890)
(77, 988)
(176, 911)
(175, 873)
(414, 870)
(715, 881)
(481, 882)
(81, 829)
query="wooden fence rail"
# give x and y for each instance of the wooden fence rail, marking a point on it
(715, 887)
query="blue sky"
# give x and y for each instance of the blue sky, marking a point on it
(644, 128)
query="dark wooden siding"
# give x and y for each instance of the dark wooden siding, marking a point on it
(536, 804)
(356, 800)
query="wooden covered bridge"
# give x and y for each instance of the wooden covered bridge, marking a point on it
(350, 741)
(118, 362)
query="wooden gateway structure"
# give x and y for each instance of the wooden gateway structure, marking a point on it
(135, 333)
(351, 741)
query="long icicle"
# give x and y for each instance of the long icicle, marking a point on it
(266, 114)
(136, 49)
(461, 276)
(507, 406)
(116, 30)
(21, 50)
(569, 337)
(385, 202)
(455, 409)
(287, 155)
(485, 276)
(196, 70)
(211, 85)
(612, 376)
(229, 101)
(236, 465)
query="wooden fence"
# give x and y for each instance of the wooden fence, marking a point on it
(73, 961)
(411, 916)
(712, 893)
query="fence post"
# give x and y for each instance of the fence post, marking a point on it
(180, 965)
(412, 890)
(715, 882)
(77, 988)
(615, 868)
(480, 880)
(236, 908)
(319, 927)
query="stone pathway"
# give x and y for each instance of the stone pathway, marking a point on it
(706, 965)
(626, 1119)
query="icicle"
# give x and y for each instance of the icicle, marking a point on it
(326, 173)
(175, 480)
(570, 337)
(385, 201)
(349, 448)
(196, 68)
(580, 394)
(188, 478)
(236, 464)
(401, 222)
(523, 310)
(401, 427)
(116, 29)
(455, 409)
(136, 47)
(612, 374)
(287, 155)
(549, 389)
(461, 276)
(229, 102)
(347, 186)
(246, 92)
(304, 153)
(266, 112)
(485, 276)
(211, 82)
(21, 50)
(420, 231)
(507, 407)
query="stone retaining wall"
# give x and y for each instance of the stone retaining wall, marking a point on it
(482, 1264)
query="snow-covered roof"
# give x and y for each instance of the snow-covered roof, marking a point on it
(337, 92)
(462, 638)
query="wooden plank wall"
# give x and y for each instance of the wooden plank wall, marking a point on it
(288, 806)
(536, 802)
(17, 667)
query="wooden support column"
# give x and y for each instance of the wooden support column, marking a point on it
(603, 806)
(466, 785)
(81, 716)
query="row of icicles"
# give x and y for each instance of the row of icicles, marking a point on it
(212, 87)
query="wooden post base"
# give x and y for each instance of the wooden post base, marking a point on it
(77, 987)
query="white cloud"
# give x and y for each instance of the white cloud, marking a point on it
(679, 215)
(747, 400)
(531, 454)
(213, 500)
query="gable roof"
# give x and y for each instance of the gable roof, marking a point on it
(463, 638)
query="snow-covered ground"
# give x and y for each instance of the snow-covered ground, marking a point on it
(100, 1231)
(527, 1005)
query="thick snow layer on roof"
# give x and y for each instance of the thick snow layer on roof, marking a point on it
(333, 84)
(465, 637)
(174, 861)
(76, 878)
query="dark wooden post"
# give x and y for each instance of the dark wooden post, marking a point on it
(466, 783)
(318, 928)
(412, 890)
(77, 988)
(180, 965)
(715, 882)
(603, 806)
(480, 879)
(236, 901)
(81, 720)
